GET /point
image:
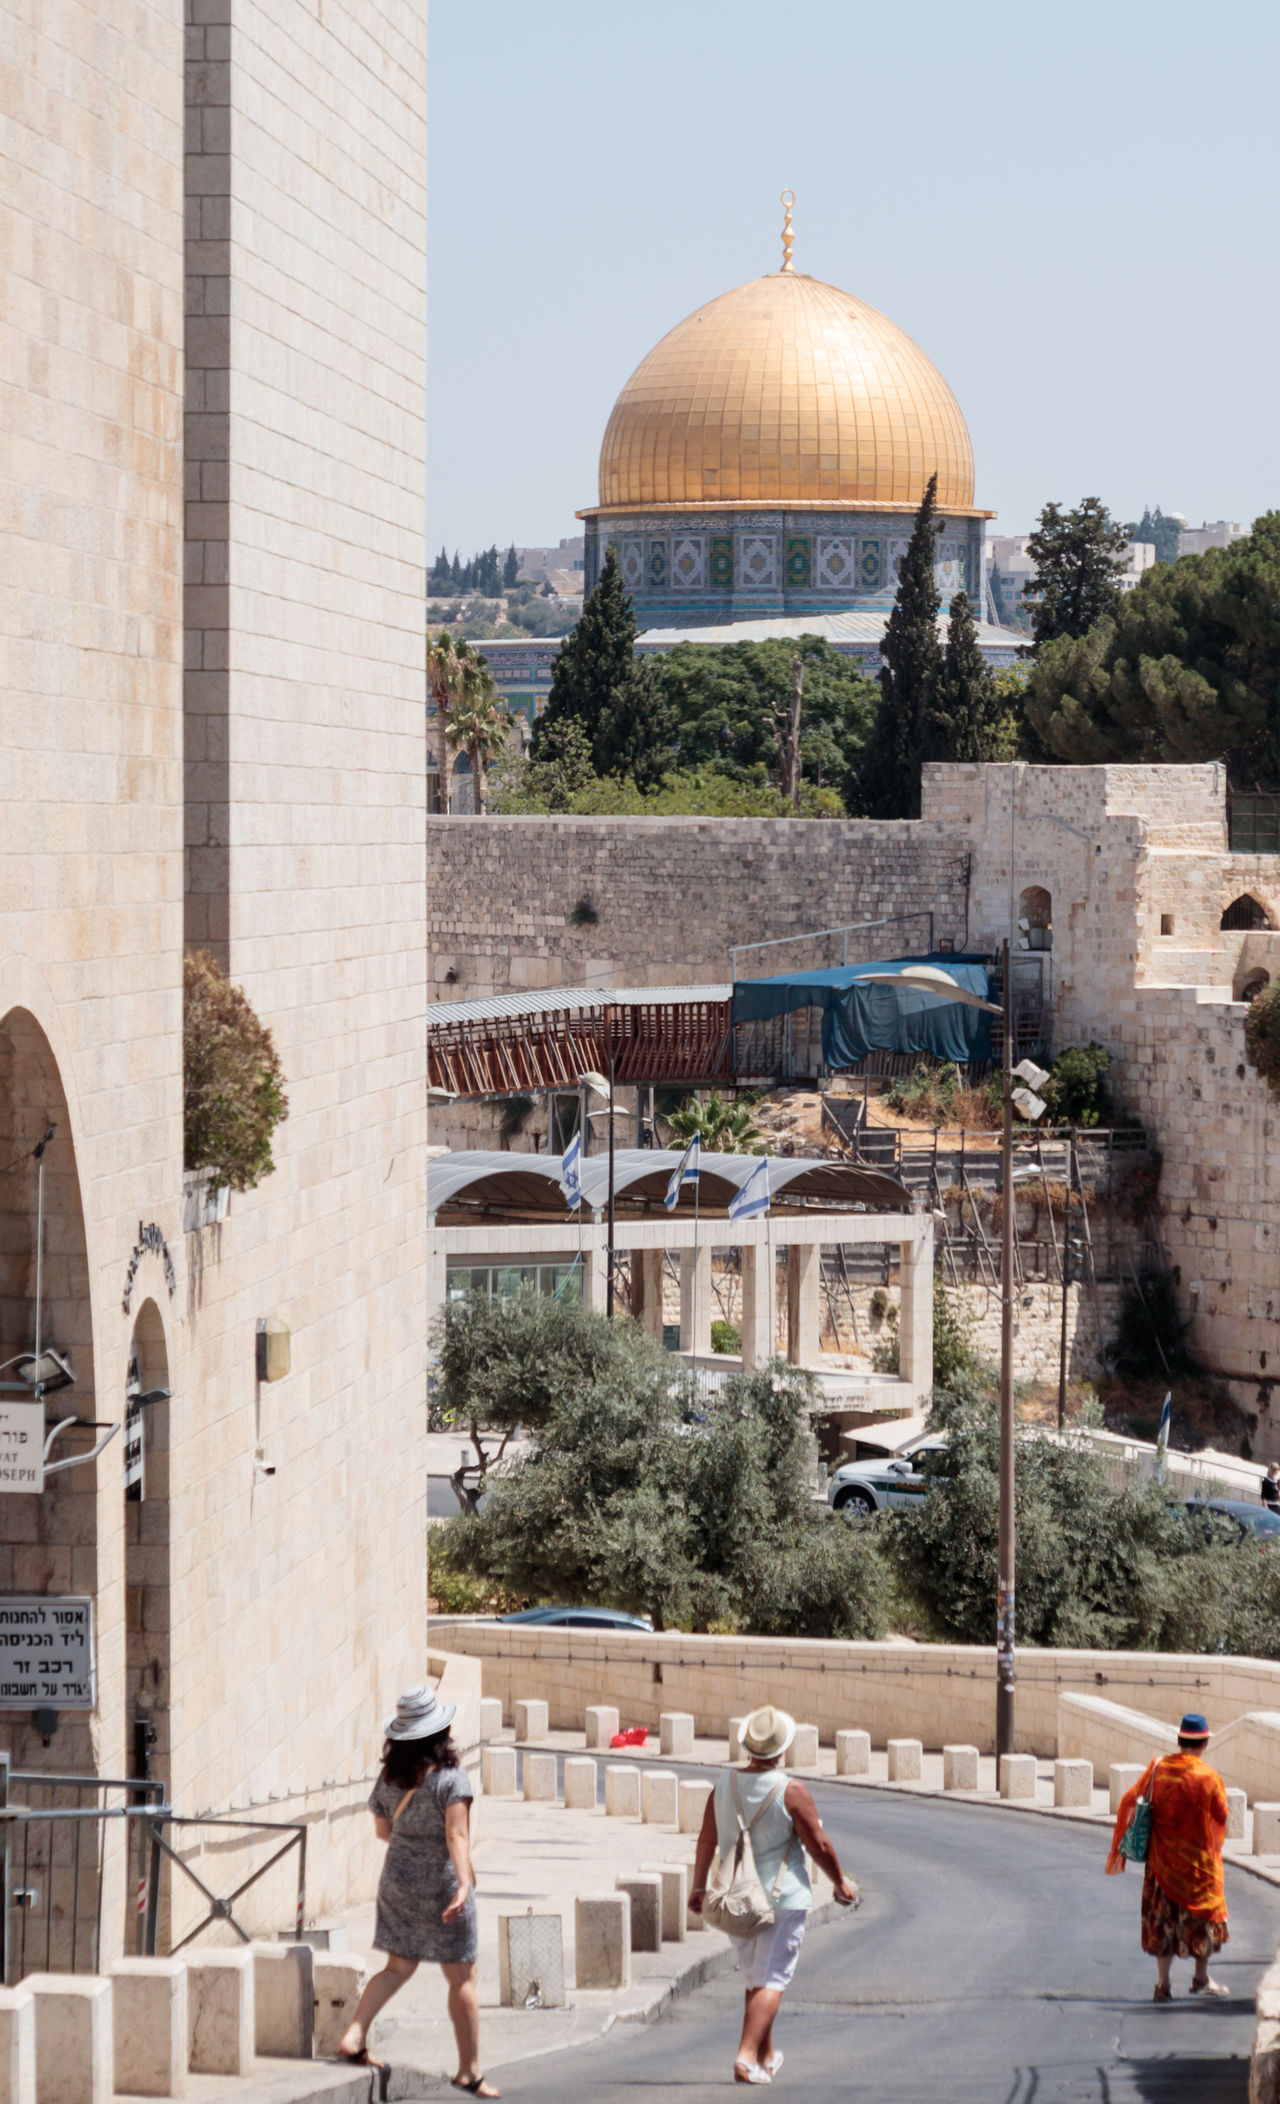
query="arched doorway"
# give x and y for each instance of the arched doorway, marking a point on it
(1246, 914)
(462, 796)
(1035, 918)
(1253, 984)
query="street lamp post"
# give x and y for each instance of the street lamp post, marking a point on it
(1006, 1552)
(608, 1291)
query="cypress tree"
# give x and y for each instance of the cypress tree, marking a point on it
(637, 735)
(912, 662)
(967, 717)
(511, 568)
(455, 570)
(595, 666)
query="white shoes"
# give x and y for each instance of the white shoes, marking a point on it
(750, 2071)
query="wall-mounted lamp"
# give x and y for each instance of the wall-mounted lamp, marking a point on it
(273, 1348)
(46, 1370)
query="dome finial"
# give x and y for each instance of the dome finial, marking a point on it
(788, 238)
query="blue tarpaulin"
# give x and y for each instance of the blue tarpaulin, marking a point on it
(860, 1016)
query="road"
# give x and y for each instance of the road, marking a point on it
(991, 1962)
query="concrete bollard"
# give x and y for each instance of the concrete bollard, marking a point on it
(339, 1984)
(601, 1724)
(675, 1734)
(1073, 1785)
(959, 1767)
(580, 1784)
(490, 1716)
(1121, 1776)
(1266, 1830)
(540, 1778)
(853, 1753)
(149, 2026)
(284, 2000)
(1018, 1777)
(659, 1798)
(1237, 1805)
(602, 1939)
(673, 1879)
(220, 2026)
(622, 1792)
(531, 1721)
(18, 2046)
(74, 2055)
(644, 1890)
(531, 1961)
(498, 1771)
(735, 1738)
(906, 1760)
(803, 1750)
(692, 1804)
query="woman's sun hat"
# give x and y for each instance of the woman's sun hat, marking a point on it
(1193, 1726)
(767, 1734)
(420, 1715)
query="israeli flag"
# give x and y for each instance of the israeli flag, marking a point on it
(571, 1172)
(1162, 1436)
(754, 1195)
(687, 1170)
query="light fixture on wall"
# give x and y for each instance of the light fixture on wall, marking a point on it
(49, 1371)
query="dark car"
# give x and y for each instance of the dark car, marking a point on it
(580, 1618)
(1256, 1521)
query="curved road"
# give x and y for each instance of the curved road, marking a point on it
(991, 1962)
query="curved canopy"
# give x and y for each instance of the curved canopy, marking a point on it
(529, 1184)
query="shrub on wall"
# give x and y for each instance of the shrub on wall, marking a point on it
(1262, 1036)
(1076, 1091)
(233, 1083)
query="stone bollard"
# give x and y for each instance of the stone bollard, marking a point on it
(673, 1880)
(906, 1758)
(220, 2023)
(1237, 1805)
(540, 1778)
(490, 1717)
(18, 2047)
(498, 1771)
(580, 1784)
(622, 1792)
(531, 1722)
(531, 1961)
(284, 2000)
(644, 1890)
(1018, 1777)
(735, 1738)
(675, 1734)
(659, 1799)
(74, 2055)
(602, 1939)
(692, 1804)
(1073, 1785)
(803, 1750)
(1266, 1830)
(959, 1767)
(1121, 1776)
(601, 1724)
(853, 1753)
(339, 1984)
(149, 2025)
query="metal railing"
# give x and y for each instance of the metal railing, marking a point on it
(781, 942)
(220, 1907)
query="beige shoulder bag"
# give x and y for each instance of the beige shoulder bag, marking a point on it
(735, 1900)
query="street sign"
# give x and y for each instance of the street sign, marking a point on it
(21, 1445)
(46, 1651)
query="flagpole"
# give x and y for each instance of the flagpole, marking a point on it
(773, 1276)
(697, 1216)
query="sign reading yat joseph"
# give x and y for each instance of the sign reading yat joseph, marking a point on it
(46, 1651)
(21, 1446)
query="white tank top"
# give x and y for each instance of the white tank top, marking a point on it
(773, 1837)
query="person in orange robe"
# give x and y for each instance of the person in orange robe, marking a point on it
(1184, 1905)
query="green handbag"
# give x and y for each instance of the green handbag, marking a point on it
(1136, 1839)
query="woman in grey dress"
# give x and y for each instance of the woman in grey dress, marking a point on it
(421, 1805)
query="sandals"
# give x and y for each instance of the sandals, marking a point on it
(1210, 1987)
(750, 2071)
(772, 2064)
(364, 2058)
(1162, 1994)
(472, 2089)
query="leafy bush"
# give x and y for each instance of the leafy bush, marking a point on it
(1076, 1091)
(232, 1080)
(726, 1337)
(1262, 1036)
(457, 1592)
(929, 1094)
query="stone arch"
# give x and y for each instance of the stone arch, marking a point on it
(146, 1547)
(1252, 984)
(1035, 917)
(1245, 915)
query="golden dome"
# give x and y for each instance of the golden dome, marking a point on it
(785, 392)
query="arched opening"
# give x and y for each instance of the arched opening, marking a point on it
(1253, 984)
(1035, 918)
(462, 795)
(145, 1407)
(1245, 914)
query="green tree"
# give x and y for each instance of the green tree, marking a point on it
(724, 1127)
(636, 739)
(912, 658)
(969, 714)
(511, 569)
(1075, 554)
(594, 670)
(1160, 530)
(232, 1081)
(482, 726)
(725, 702)
(457, 676)
(551, 783)
(1185, 667)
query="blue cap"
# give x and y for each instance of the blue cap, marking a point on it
(1193, 1726)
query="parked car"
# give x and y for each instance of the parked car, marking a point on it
(859, 1488)
(1255, 1522)
(579, 1618)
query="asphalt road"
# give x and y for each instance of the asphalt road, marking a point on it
(991, 1962)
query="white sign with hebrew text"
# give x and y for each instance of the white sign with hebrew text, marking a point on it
(21, 1445)
(46, 1651)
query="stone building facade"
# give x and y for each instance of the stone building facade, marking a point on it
(241, 771)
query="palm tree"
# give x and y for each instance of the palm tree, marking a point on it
(482, 725)
(455, 673)
(723, 1127)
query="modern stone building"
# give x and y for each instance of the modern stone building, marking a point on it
(211, 718)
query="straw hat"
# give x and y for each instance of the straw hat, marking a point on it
(767, 1734)
(420, 1715)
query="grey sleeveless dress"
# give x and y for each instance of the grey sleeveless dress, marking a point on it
(418, 1879)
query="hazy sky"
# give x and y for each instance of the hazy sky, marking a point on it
(1072, 205)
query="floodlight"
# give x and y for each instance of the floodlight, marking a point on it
(1034, 1076)
(49, 1371)
(1029, 1105)
(595, 1081)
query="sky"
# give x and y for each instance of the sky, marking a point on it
(1073, 207)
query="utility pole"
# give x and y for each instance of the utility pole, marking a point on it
(1066, 1295)
(1005, 1597)
(608, 1291)
(786, 729)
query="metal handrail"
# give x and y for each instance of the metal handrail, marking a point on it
(220, 1908)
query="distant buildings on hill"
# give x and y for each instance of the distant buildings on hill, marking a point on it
(1194, 540)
